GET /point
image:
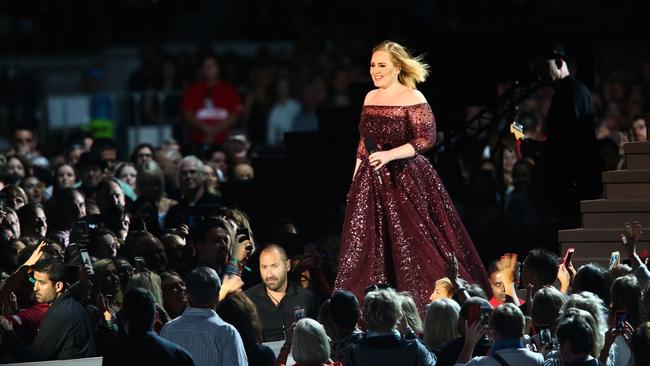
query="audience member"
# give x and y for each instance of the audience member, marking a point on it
(211, 106)
(539, 269)
(142, 345)
(309, 345)
(508, 323)
(195, 201)
(200, 330)
(239, 311)
(441, 322)
(66, 331)
(174, 293)
(576, 335)
(277, 300)
(383, 344)
(411, 325)
(448, 352)
(344, 313)
(594, 278)
(444, 290)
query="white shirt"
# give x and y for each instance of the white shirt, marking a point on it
(513, 356)
(281, 120)
(209, 339)
(620, 354)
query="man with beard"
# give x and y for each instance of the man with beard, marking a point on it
(279, 302)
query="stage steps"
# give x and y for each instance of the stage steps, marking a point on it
(627, 198)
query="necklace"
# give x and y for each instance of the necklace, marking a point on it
(275, 301)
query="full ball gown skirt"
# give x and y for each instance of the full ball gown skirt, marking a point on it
(400, 229)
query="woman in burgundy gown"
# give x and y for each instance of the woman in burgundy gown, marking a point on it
(400, 224)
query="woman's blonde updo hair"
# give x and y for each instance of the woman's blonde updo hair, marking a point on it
(413, 69)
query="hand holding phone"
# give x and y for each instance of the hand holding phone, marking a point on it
(620, 322)
(87, 263)
(568, 257)
(614, 259)
(545, 337)
(473, 314)
(298, 313)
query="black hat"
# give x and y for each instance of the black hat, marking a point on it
(556, 51)
(344, 309)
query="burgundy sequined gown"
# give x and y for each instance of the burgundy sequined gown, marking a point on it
(399, 230)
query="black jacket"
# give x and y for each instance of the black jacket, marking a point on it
(148, 349)
(65, 333)
(389, 350)
(448, 353)
(275, 320)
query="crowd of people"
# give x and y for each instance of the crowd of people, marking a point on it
(103, 254)
(120, 254)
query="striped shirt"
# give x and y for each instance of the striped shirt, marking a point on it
(209, 339)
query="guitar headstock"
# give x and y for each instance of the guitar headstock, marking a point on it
(517, 130)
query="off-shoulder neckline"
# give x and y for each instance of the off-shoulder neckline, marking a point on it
(395, 105)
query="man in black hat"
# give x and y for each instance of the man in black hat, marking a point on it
(344, 310)
(569, 164)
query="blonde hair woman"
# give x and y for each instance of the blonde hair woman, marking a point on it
(441, 322)
(400, 224)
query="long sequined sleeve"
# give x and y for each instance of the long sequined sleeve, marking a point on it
(361, 149)
(424, 127)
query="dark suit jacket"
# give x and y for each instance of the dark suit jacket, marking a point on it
(148, 349)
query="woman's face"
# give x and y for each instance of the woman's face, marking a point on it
(174, 292)
(128, 174)
(111, 281)
(382, 69)
(40, 224)
(15, 168)
(509, 160)
(34, 189)
(65, 176)
(439, 292)
(210, 177)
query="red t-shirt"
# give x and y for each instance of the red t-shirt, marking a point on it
(211, 106)
(26, 322)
